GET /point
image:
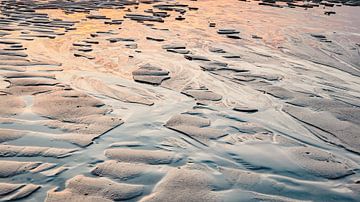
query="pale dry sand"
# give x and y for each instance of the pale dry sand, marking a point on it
(179, 101)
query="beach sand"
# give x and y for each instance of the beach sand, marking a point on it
(179, 100)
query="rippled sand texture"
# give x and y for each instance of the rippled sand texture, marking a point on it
(179, 101)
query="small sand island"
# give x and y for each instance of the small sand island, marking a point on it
(179, 100)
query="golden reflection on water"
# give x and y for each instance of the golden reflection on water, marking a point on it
(87, 26)
(277, 27)
(274, 25)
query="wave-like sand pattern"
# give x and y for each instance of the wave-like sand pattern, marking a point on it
(179, 100)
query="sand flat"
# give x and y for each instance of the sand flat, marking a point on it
(154, 100)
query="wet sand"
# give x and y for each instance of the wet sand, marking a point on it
(179, 101)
